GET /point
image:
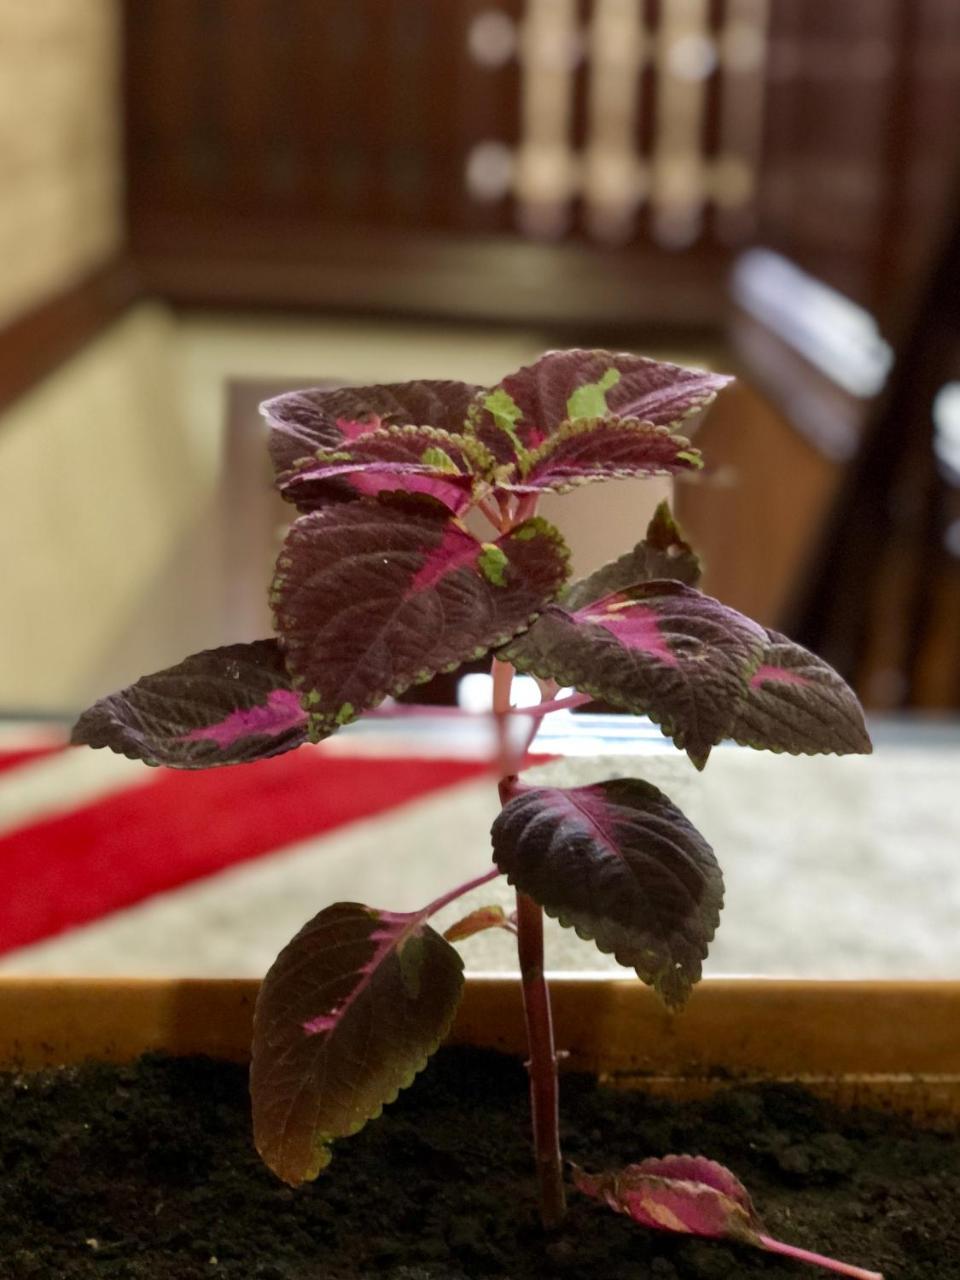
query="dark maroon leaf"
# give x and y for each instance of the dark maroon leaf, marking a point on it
(796, 702)
(661, 649)
(589, 449)
(222, 706)
(350, 1011)
(528, 406)
(622, 866)
(492, 917)
(319, 418)
(691, 1195)
(414, 459)
(374, 596)
(662, 554)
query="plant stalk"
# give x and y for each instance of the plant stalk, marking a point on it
(542, 1067)
(817, 1259)
(544, 1090)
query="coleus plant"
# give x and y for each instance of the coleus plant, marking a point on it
(381, 584)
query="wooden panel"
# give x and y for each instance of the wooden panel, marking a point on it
(383, 154)
(33, 345)
(857, 159)
(757, 510)
(890, 1042)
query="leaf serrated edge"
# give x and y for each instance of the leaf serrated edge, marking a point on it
(570, 429)
(325, 1147)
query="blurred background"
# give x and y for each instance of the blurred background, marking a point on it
(207, 201)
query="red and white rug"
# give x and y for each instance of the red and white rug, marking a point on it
(85, 835)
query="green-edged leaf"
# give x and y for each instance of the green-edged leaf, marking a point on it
(350, 1011)
(661, 649)
(413, 459)
(222, 706)
(622, 866)
(796, 702)
(591, 449)
(374, 596)
(322, 418)
(528, 406)
(662, 554)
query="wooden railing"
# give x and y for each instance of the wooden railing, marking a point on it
(368, 132)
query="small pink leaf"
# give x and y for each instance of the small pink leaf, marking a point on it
(525, 408)
(492, 917)
(221, 706)
(589, 449)
(662, 554)
(323, 418)
(414, 459)
(672, 1195)
(622, 866)
(348, 1014)
(690, 1195)
(659, 648)
(375, 595)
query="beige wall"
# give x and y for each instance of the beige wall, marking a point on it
(60, 183)
(97, 481)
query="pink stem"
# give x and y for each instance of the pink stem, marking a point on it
(544, 1088)
(817, 1259)
(527, 507)
(439, 903)
(494, 516)
(556, 704)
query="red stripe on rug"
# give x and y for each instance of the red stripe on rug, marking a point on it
(26, 755)
(76, 867)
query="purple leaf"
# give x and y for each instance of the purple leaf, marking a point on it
(622, 866)
(796, 702)
(348, 1014)
(319, 418)
(222, 706)
(492, 917)
(659, 648)
(414, 459)
(374, 596)
(528, 406)
(589, 449)
(690, 1195)
(662, 554)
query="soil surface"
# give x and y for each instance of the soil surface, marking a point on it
(148, 1171)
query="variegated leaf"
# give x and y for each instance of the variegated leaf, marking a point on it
(661, 649)
(222, 706)
(591, 449)
(374, 596)
(620, 864)
(323, 418)
(348, 1014)
(527, 407)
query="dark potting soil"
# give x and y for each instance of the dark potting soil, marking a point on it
(148, 1171)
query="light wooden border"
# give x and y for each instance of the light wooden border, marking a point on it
(894, 1043)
